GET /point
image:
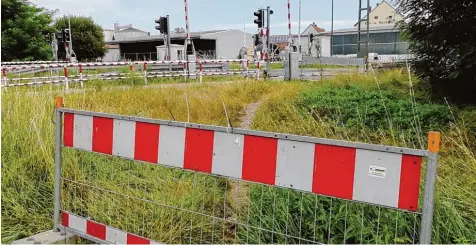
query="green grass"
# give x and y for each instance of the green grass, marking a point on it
(358, 108)
(348, 107)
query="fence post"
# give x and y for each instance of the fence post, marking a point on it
(81, 75)
(4, 76)
(145, 72)
(430, 183)
(65, 71)
(247, 70)
(57, 184)
(201, 74)
(257, 69)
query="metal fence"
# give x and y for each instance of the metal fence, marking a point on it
(50, 73)
(139, 180)
(333, 61)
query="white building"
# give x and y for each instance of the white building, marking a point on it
(383, 14)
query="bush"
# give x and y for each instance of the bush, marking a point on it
(358, 108)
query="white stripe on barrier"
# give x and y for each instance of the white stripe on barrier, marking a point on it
(171, 151)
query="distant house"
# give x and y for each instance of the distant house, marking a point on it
(313, 28)
(383, 14)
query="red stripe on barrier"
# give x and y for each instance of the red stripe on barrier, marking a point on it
(259, 159)
(80, 69)
(198, 150)
(132, 239)
(68, 129)
(65, 71)
(146, 147)
(65, 219)
(102, 135)
(96, 230)
(409, 182)
(334, 168)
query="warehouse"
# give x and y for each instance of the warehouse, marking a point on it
(219, 44)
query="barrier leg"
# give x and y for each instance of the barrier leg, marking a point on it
(430, 183)
(257, 69)
(145, 72)
(65, 71)
(201, 75)
(81, 76)
(57, 184)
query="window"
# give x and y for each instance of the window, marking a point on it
(179, 54)
(376, 17)
(390, 17)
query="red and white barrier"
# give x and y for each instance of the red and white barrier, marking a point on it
(101, 232)
(102, 64)
(65, 71)
(379, 175)
(81, 75)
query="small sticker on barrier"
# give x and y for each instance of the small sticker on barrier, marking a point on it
(376, 171)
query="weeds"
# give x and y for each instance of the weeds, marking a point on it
(339, 108)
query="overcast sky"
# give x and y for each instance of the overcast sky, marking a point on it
(210, 14)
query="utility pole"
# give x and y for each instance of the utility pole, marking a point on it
(332, 26)
(299, 26)
(268, 32)
(169, 52)
(72, 55)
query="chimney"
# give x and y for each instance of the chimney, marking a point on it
(313, 23)
(116, 26)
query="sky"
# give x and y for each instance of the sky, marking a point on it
(205, 15)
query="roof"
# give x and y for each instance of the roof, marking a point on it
(317, 28)
(179, 36)
(372, 29)
(278, 38)
(129, 29)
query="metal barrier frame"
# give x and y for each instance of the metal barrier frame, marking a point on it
(430, 176)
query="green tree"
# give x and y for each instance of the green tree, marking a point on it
(23, 28)
(87, 37)
(442, 36)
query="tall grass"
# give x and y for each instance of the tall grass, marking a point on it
(310, 113)
(254, 213)
(28, 148)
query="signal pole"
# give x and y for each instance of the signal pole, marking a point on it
(169, 52)
(268, 44)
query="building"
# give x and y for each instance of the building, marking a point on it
(123, 32)
(383, 14)
(384, 40)
(307, 47)
(119, 33)
(219, 44)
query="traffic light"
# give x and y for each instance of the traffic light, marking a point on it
(259, 20)
(66, 35)
(311, 36)
(162, 25)
(59, 35)
(256, 40)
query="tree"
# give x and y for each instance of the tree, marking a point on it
(23, 28)
(178, 30)
(87, 37)
(442, 36)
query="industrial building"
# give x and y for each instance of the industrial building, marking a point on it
(384, 36)
(219, 44)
